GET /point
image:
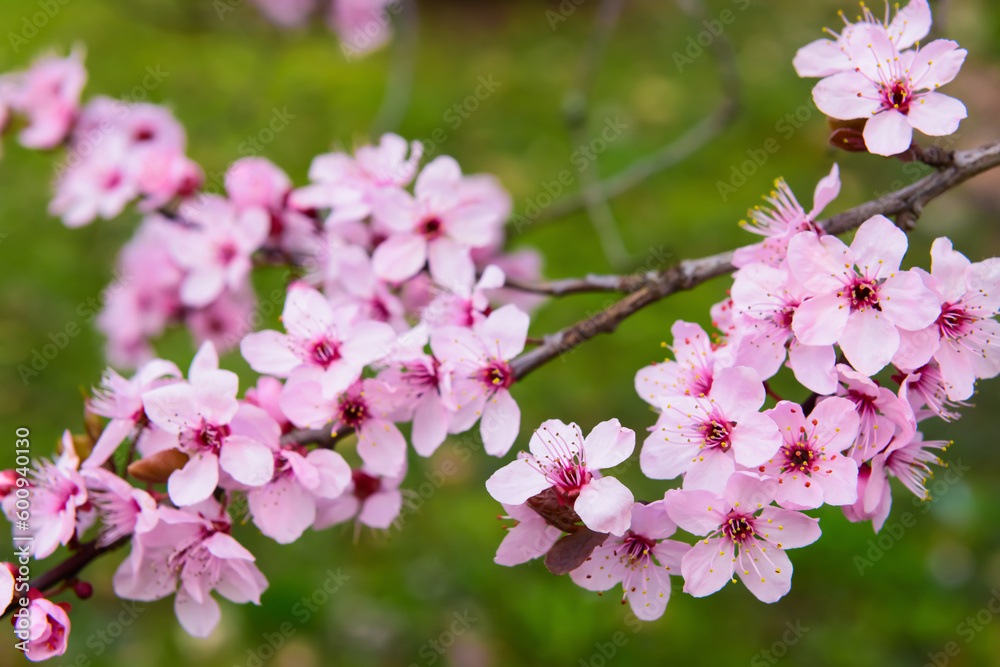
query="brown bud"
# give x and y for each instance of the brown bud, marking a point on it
(156, 469)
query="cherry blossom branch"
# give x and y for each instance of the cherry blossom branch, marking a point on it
(645, 289)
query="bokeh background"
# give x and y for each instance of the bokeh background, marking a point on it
(900, 604)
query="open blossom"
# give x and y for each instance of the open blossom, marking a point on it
(825, 57)
(896, 91)
(641, 560)
(463, 305)
(368, 407)
(478, 359)
(560, 458)
(429, 406)
(531, 537)
(121, 401)
(373, 499)
(215, 251)
(205, 421)
(191, 552)
(859, 298)
(925, 391)
(123, 509)
(811, 467)
(883, 414)
(324, 344)
(438, 226)
(284, 507)
(691, 372)
(765, 299)
(966, 335)
(745, 535)
(783, 219)
(360, 24)
(704, 437)
(60, 506)
(48, 628)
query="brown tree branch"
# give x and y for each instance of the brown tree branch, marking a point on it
(648, 288)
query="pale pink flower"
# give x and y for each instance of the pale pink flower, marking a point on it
(463, 305)
(765, 299)
(690, 373)
(896, 91)
(478, 359)
(428, 405)
(267, 396)
(531, 537)
(811, 467)
(225, 321)
(745, 535)
(870, 506)
(48, 94)
(205, 421)
(120, 400)
(48, 628)
(964, 338)
(6, 585)
(925, 388)
(326, 345)
(362, 25)
(448, 216)
(882, 413)
(783, 219)
(162, 173)
(367, 407)
(191, 553)
(284, 507)
(123, 509)
(255, 182)
(215, 247)
(704, 437)
(560, 458)
(825, 57)
(99, 186)
(373, 499)
(859, 297)
(641, 560)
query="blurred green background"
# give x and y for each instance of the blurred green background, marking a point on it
(403, 590)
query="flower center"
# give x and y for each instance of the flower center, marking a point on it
(738, 527)
(430, 229)
(716, 433)
(353, 412)
(637, 547)
(497, 375)
(227, 253)
(365, 485)
(325, 352)
(864, 294)
(211, 436)
(954, 321)
(897, 96)
(798, 457)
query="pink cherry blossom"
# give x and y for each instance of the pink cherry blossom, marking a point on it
(215, 250)
(531, 537)
(811, 467)
(908, 461)
(99, 186)
(48, 94)
(744, 533)
(704, 438)
(284, 507)
(463, 305)
(123, 509)
(191, 553)
(225, 321)
(373, 499)
(287, 13)
(325, 345)
(783, 219)
(368, 407)
(690, 373)
(969, 347)
(48, 628)
(925, 391)
(825, 57)
(429, 405)
(255, 182)
(560, 458)
(859, 298)
(267, 396)
(363, 25)
(121, 401)
(205, 421)
(478, 359)
(895, 91)
(641, 560)
(872, 505)
(447, 217)
(765, 299)
(882, 413)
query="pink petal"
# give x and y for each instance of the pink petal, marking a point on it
(814, 366)
(747, 491)
(826, 191)
(652, 520)
(282, 510)
(818, 263)
(738, 391)
(869, 341)
(879, 246)
(334, 472)
(304, 405)
(707, 567)
(307, 313)
(399, 257)
(821, 320)
(430, 424)
(381, 509)
(113, 435)
(500, 423)
(172, 407)
(948, 266)
(787, 529)
(837, 96)
(382, 447)
(450, 264)
(820, 58)
(755, 440)
(529, 539)
(840, 484)
(910, 24)
(197, 618)
(602, 570)
(936, 114)
(838, 423)
(195, 481)
(505, 331)
(697, 512)
(248, 461)
(888, 133)
(202, 287)
(369, 341)
(516, 482)
(936, 64)
(608, 444)
(647, 590)
(768, 578)
(605, 506)
(269, 352)
(710, 472)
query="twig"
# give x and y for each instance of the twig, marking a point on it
(657, 285)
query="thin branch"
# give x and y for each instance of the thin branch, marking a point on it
(656, 285)
(678, 150)
(320, 437)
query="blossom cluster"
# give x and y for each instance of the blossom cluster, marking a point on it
(396, 315)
